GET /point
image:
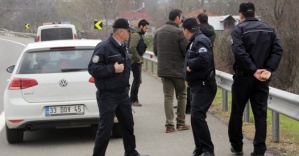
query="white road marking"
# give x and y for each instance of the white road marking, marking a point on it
(13, 41)
(2, 121)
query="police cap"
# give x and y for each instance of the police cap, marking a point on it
(190, 24)
(124, 24)
(247, 7)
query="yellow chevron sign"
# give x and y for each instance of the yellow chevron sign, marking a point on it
(98, 24)
(27, 25)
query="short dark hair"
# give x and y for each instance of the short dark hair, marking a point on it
(203, 18)
(247, 9)
(143, 22)
(248, 14)
(174, 13)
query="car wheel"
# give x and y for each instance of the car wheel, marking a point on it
(14, 135)
(116, 131)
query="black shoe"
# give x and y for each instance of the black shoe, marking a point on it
(196, 153)
(208, 154)
(254, 154)
(136, 103)
(237, 153)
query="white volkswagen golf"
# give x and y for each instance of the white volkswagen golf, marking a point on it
(50, 87)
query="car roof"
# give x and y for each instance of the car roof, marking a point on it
(56, 26)
(61, 43)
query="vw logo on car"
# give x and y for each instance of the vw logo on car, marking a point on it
(63, 83)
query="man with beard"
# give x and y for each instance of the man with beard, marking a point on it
(137, 49)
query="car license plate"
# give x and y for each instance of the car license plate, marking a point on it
(64, 110)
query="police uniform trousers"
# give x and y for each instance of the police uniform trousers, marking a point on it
(246, 88)
(202, 96)
(110, 104)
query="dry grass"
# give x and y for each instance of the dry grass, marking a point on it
(286, 147)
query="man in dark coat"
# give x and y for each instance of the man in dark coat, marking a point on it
(205, 27)
(170, 48)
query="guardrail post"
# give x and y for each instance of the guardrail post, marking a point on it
(156, 65)
(152, 68)
(275, 127)
(146, 64)
(224, 100)
(247, 112)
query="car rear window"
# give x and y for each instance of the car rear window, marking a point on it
(55, 61)
(56, 34)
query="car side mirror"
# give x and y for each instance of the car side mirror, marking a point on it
(10, 68)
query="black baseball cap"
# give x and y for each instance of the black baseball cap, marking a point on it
(247, 7)
(124, 24)
(190, 23)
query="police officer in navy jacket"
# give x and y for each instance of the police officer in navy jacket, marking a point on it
(110, 67)
(199, 74)
(257, 53)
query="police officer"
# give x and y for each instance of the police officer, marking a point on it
(207, 30)
(199, 74)
(257, 53)
(110, 66)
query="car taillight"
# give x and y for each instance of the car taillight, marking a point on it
(15, 121)
(21, 83)
(75, 36)
(91, 80)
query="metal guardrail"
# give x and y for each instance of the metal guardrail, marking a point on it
(18, 34)
(279, 101)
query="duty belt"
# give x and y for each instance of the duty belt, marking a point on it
(200, 83)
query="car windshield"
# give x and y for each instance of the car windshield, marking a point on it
(55, 61)
(56, 34)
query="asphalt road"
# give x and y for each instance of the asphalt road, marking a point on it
(149, 125)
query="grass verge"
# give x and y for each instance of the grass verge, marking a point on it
(289, 136)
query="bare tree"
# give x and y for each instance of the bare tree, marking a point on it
(86, 11)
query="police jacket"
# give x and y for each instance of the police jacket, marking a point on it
(199, 58)
(255, 46)
(101, 66)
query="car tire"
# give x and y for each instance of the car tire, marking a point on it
(14, 135)
(116, 131)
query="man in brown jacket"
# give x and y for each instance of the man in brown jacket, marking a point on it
(170, 48)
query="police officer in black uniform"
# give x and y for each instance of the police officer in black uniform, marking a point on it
(110, 66)
(257, 53)
(199, 74)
